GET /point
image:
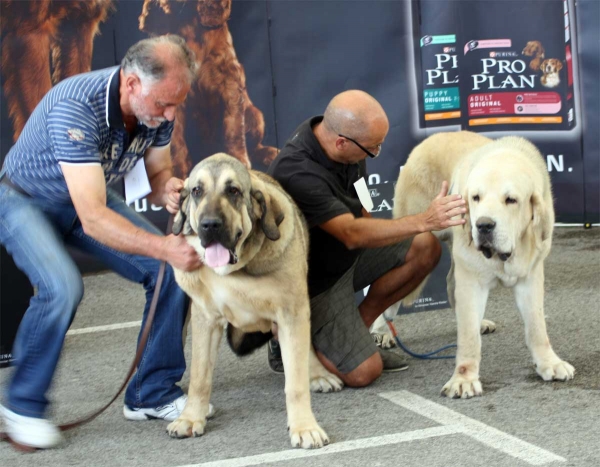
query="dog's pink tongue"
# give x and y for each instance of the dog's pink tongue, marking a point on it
(216, 255)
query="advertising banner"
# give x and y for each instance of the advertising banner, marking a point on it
(493, 66)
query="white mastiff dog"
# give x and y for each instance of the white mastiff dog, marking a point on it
(505, 240)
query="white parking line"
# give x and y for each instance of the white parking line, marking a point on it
(108, 327)
(477, 430)
(451, 423)
(344, 446)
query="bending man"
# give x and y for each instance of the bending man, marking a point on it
(87, 133)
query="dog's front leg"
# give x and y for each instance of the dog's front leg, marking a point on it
(294, 338)
(529, 294)
(207, 331)
(470, 300)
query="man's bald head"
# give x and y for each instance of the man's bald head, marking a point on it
(355, 114)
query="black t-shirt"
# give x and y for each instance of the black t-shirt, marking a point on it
(323, 189)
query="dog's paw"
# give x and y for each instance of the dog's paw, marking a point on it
(462, 387)
(487, 326)
(555, 370)
(383, 340)
(308, 436)
(326, 383)
(183, 428)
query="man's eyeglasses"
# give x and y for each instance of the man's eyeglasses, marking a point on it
(371, 154)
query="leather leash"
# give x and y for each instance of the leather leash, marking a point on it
(132, 368)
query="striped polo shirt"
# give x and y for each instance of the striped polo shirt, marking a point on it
(78, 121)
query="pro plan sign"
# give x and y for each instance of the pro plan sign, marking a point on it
(516, 74)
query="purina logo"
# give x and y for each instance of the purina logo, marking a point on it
(374, 193)
(495, 54)
(448, 50)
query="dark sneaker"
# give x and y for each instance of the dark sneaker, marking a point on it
(274, 356)
(392, 362)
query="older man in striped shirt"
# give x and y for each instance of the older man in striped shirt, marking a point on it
(88, 132)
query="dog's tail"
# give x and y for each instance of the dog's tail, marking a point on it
(244, 343)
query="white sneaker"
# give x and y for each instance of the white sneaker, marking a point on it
(29, 431)
(168, 412)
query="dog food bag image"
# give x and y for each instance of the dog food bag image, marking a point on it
(436, 63)
(516, 66)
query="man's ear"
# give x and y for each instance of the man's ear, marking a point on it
(271, 214)
(182, 221)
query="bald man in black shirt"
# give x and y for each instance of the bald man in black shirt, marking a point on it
(349, 249)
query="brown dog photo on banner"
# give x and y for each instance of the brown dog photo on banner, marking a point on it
(536, 50)
(44, 42)
(218, 111)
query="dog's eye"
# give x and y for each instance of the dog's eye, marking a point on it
(233, 191)
(196, 191)
(510, 200)
(476, 198)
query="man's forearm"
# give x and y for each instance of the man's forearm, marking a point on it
(113, 230)
(157, 183)
(375, 233)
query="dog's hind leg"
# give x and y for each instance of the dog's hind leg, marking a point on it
(487, 326)
(321, 380)
(244, 343)
(529, 294)
(380, 331)
(294, 338)
(207, 331)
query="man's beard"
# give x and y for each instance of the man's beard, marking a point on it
(150, 122)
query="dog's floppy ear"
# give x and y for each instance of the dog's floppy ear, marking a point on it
(467, 215)
(271, 214)
(540, 217)
(182, 218)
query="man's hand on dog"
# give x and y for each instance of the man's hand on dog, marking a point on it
(180, 254)
(172, 188)
(443, 209)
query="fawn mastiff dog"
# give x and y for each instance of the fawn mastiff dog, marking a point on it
(253, 241)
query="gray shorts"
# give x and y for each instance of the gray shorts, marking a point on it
(337, 329)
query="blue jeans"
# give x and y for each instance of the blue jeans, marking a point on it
(35, 232)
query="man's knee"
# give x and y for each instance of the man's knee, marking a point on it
(426, 249)
(365, 373)
(63, 292)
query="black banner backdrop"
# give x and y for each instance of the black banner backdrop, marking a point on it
(290, 57)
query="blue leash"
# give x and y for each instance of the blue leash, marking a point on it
(426, 356)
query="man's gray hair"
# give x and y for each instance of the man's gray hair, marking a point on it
(143, 60)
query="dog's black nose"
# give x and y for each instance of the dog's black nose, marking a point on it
(211, 224)
(485, 225)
